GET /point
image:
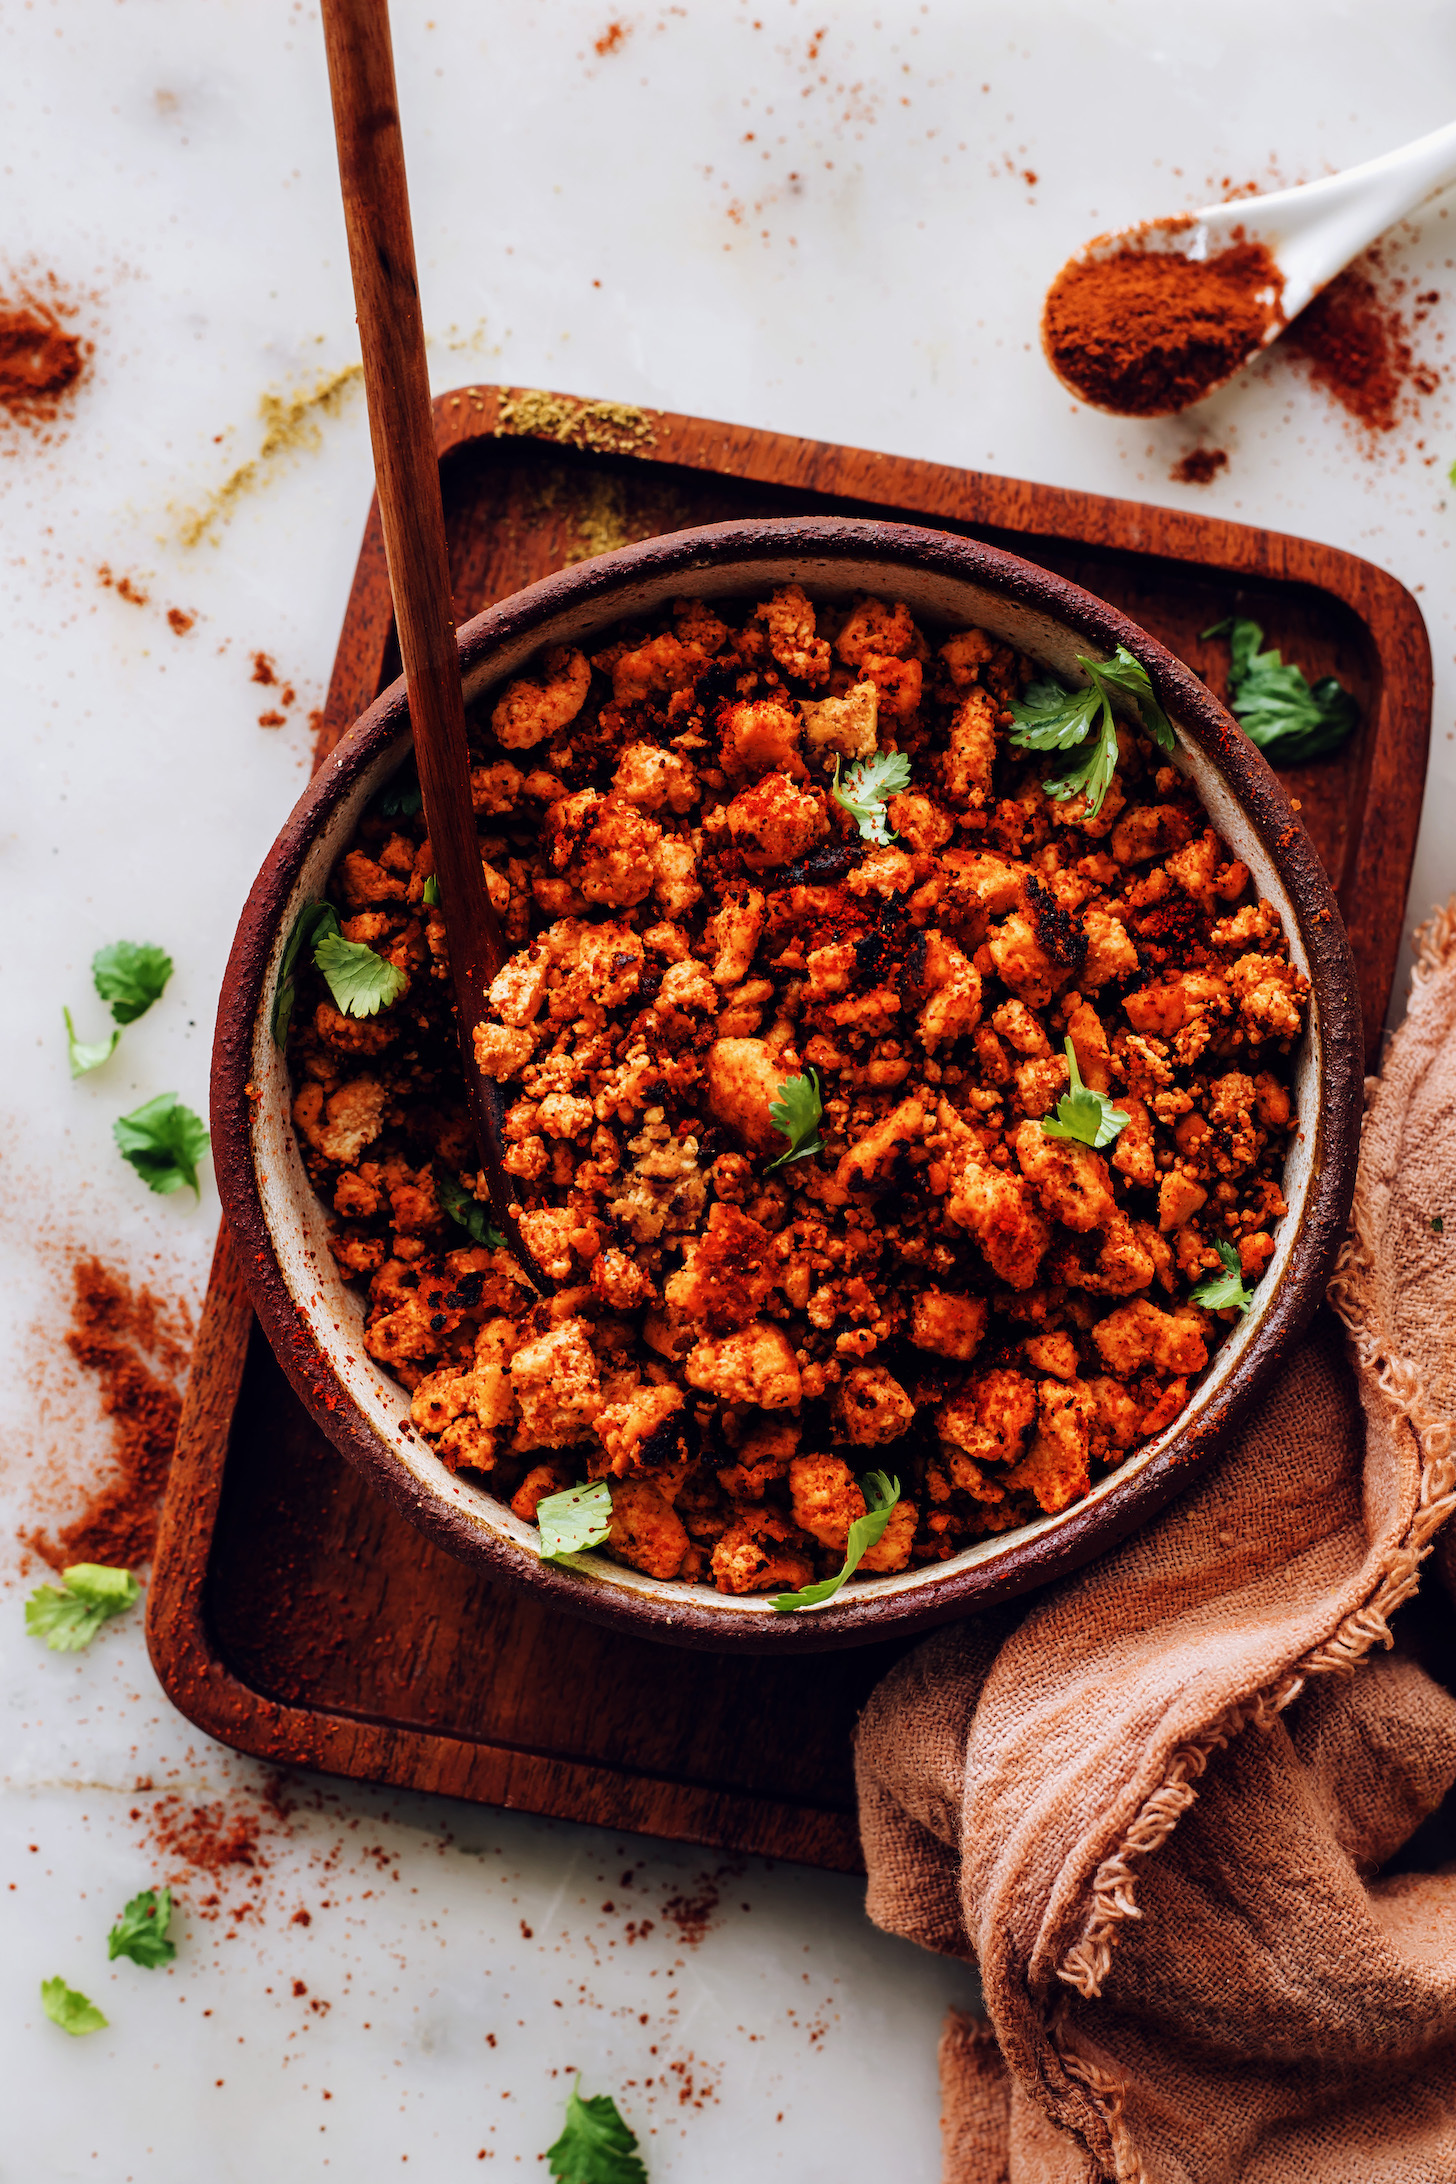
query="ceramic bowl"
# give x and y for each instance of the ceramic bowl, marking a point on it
(315, 1321)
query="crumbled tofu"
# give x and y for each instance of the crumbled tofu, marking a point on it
(923, 1274)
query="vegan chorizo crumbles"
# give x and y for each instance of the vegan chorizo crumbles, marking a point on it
(897, 1105)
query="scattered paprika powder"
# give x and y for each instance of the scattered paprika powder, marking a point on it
(121, 1334)
(1200, 466)
(1354, 341)
(39, 361)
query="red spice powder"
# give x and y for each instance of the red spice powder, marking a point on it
(206, 1838)
(614, 36)
(40, 362)
(1146, 332)
(121, 585)
(180, 622)
(694, 1916)
(1199, 466)
(225, 1842)
(1355, 343)
(115, 1332)
(265, 671)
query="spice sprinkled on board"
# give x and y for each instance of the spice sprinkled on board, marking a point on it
(613, 428)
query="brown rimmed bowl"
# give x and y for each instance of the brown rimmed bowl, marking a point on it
(314, 1321)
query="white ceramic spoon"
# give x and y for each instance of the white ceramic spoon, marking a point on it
(1311, 232)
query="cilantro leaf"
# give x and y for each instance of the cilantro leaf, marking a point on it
(163, 1140)
(796, 1114)
(574, 1521)
(1093, 778)
(400, 798)
(1274, 703)
(313, 921)
(87, 1054)
(868, 787)
(1049, 718)
(69, 1615)
(361, 982)
(1130, 678)
(881, 1495)
(1088, 1118)
(465, 1208)
(1216, 1292)
(595, 2146)
(431, 895)
(68, 2009)
(131, 975)
(141, 1931)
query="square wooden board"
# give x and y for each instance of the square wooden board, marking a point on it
(292, 1613)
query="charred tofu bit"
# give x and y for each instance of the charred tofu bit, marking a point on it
(940, 1289)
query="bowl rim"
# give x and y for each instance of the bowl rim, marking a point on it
(948, 1592)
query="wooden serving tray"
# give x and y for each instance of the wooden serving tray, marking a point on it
(292, 1613)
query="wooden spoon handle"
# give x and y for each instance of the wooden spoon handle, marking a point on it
(407, 472)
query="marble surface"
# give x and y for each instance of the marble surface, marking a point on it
(732, 210)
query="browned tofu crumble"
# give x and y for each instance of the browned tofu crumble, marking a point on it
(945, 1292)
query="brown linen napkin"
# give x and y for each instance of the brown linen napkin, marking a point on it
(1152, 1806)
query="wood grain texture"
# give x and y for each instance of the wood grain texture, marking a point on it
(296, 1618)
(294, 1615)
(412, 522)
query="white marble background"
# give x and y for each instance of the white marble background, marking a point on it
(739, 212)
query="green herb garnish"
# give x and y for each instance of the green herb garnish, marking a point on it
(796, 1114)
(1216, 1292)
(361, 981)
(1049, 718)
(1438, 1224)
(313, 921)
(595, 2146)
(141, 1931)
(431, 895)
(1084, 1116)
(87, 1054)
(1275, 704)
(400, 798)
(163, 1140)
(131, 975)
(69, 1615)
(68, 2009)
(868, 787)
(881, 1495)
(465, 1208)
(575, 1521)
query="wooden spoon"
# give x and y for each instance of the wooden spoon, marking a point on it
(407, 473)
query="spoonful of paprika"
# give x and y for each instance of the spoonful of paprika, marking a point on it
(1147, 320)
